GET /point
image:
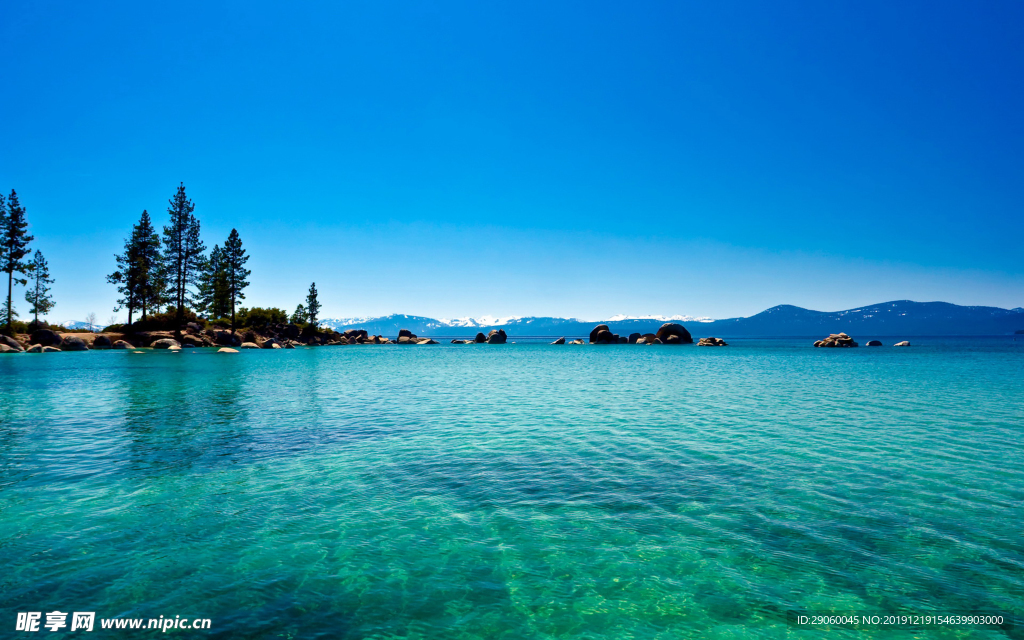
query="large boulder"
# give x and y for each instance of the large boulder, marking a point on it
(72, 343)
(38, 348)
(671, 330)
(405, 333)
(165, 343)
(496, 336)
(559, 341)
(227, 338)
(192, 341)
(250, 345)
(271, 343)
(227, 350)
(634, 338)
(11, 343)
(647, 338)
(712, 342)
(480, 338)
(604, 336)
(102, 342)
(597, 330)
(874, 343)
(45, 337)
(4, 348)
(121, 344)
(836, 340)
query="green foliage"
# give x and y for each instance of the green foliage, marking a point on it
(312, 305)
(14, 240)
(213, 287)
(235, 259)
(140, 274)
(183, 253)
(300, 317)
(261, 318)
(38, 293)
(167, 321)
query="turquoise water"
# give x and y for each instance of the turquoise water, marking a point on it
(515, 491)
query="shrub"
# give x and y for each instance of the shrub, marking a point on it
(165, 321)
(260, 318)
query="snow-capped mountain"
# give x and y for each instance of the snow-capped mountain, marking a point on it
(621, 317)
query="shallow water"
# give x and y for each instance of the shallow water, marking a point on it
(516, 491)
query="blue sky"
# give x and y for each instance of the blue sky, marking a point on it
(571, 159)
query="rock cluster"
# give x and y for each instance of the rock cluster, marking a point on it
(601, 334)
(836, 340)
(408, 337)
(712, 342)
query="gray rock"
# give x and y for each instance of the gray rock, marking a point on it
(165, 343)
(71, 343)
(121, 344)
(11, 342)
(559, 341)
(250, 345)
(45, 337)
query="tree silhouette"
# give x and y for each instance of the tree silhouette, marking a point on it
(312, 306)
(235, 260)
(15, 239)
(38, 293)
(183, 253)
(140, 273)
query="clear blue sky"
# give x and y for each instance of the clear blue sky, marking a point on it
(574, 159)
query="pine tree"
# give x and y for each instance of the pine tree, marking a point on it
(15, 239)
(38, 293)
(300, 316)
(183, 253)
(213, 285)
(312, 306)
(235, 259)
(139, 273)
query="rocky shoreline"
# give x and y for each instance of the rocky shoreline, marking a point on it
(290, 336)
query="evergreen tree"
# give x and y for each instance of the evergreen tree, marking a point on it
(213, 286)
(139, 274)
(38, 293)
(15, 239)
(300, 316)
(235, 258)
(312, 306)
(183, 253)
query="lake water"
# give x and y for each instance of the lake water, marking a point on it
(516, 491)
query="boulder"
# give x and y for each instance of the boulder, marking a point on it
(634, 338)
(405, 333)
(71, 343)
(836, 340)
(480, 338)
(657, 341)
(250, 345)
(45, 337)
(603, 336)
(647, 338)
(623, 340)
(227, 350)
(902, 344)
(193, 327)
(671, 330)
(289, 345)
(4, 348)
(276, 346)
(102, 342)
(174, 347)
(497, 336)
(426, 341)
(121, 344)
(406, 340)
(577, 341)
(38, 348)
(874, 343)
(227, 338)
(597, 330)
(11, 342)
(559, 341)
(271, 343)
(712, 342)
(165, 343)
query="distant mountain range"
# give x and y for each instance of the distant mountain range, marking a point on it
(899, 318)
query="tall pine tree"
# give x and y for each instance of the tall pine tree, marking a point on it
(212, 298)
(140, 273)
(235, 259)
(312, 306)
(38, 293)
(183, 254)
(14, 237)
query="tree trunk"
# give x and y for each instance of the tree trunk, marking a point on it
(10, 311)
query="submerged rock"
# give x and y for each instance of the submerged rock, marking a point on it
(426, 341)
(712, 342)
(672, 333)
(836, 340)
(250, 345)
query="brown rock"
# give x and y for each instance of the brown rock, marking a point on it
(72, 343)
(497, 336)
(672, 330)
